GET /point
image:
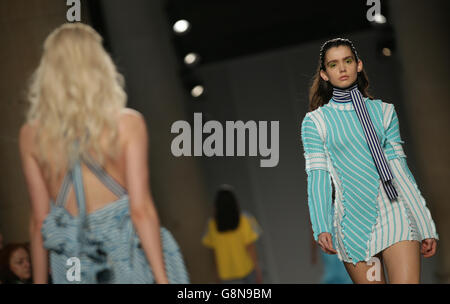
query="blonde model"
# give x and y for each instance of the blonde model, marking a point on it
(84, 156)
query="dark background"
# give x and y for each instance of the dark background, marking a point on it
(257, 62)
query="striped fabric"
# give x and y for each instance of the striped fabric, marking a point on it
(354, 95)
(363, 220)
(396, 222)
(319, 184)
(319, 190)
(104, 241)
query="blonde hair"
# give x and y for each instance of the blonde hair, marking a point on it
(75, 96)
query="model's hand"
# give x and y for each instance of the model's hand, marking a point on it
(325, 242)
(428, 247)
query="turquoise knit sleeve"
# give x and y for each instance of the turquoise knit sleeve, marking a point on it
(319, 183)
(394, 143)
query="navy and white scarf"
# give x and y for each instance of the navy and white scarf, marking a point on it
(352, 94)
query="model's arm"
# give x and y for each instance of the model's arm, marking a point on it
(142, 210)
(394, 142)
(39, 199)
(399, 166)
(319, 183)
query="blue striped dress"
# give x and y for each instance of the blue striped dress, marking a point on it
(361, 219)
(104, 242)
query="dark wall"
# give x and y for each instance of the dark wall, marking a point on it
(23, 28)
(272, 86)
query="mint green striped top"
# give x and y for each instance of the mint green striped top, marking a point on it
(352, 161)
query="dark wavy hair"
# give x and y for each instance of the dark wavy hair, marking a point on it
(227, 211)
(6, 275)
(321, 90)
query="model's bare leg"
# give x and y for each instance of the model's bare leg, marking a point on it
(363, 273)
(402, 262)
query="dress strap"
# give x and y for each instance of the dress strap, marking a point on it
(104, 177)
(77, 180)
(64, 190)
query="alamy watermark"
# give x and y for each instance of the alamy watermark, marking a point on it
(74, 272)
(74, 12)
(213, 145)
(373, 11)
(374, 272)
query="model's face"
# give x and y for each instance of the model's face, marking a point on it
(19, 263)
(341, 68)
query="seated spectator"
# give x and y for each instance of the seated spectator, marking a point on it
(15, 265)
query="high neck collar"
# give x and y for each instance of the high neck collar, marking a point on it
(343, 95)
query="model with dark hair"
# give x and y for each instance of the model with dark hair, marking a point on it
(353, 142)
(15, 264)
(232, 234)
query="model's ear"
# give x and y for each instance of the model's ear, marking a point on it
(360, 66)
(324, 75)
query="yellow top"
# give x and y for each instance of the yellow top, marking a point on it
(233, 260)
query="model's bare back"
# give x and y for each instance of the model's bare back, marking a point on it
(96, 193)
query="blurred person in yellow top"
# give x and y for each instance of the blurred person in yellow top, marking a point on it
(232, 235)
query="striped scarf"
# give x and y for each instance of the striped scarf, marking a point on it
(352, 94)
